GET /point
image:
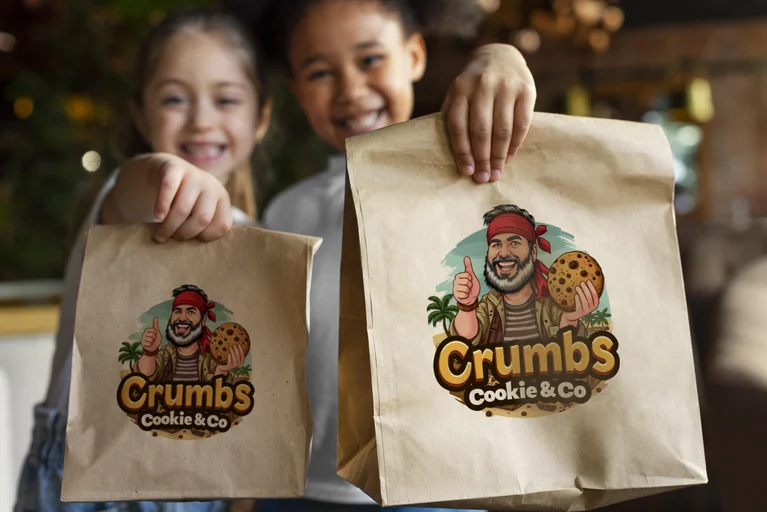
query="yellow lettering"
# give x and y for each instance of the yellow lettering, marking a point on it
(601, 348)
(542, 353)
(199, 396)
(170, 399)
(129, 387)
(504, 369)
(571, 365)
(445, 372)
(481, 357)
(155, 390)
(244, 394)
(223, 395)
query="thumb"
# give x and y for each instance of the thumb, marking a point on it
(155, 325)
(467, 265)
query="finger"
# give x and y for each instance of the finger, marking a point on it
(183, 203)
(463, 289)
(166, 178)
(155, 324)
(480, 132)
(201, 216)
(503, 119)
(582, 296)
(457, 118)
(523, 118)
(461, 296)
(578, 302)
(221, 223)
(593, 289)
(467, 266)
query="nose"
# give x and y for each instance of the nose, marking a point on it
(352, 85)
(203, 116)
(505, 251)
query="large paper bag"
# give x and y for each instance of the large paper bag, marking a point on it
(522, 344)
(188, 367)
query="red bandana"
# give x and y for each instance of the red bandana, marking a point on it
(517, 224)
(194, 299)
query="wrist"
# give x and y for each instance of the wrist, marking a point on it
(150, 353)
(470, 307)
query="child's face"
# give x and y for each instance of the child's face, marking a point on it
(353, 68)
(201, 105)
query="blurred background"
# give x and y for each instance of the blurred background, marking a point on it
(697, 68)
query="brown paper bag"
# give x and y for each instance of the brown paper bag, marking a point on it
(489, 359)
(188, 367)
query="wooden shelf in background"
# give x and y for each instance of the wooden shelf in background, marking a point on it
(28, 320)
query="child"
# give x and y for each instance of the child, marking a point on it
(351, 65)
(199, 99)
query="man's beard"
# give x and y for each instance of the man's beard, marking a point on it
(523, 277)
(183, 340)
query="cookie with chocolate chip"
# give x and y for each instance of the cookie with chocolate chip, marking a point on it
(570, 270)
(224, 338)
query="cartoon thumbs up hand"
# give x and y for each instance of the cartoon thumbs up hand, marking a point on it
(466, 285)
(151, 339)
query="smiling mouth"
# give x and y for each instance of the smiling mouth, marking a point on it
(183, 329)
(506, 267)
(363, 123)
(202, 152)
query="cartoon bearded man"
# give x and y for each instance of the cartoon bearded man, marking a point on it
(186, 356)
(518, 308)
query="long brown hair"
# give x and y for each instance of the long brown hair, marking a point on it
(240, 184)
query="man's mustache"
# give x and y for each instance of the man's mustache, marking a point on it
(507, 259)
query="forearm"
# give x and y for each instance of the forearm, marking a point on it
(147, 365)
(466, 324)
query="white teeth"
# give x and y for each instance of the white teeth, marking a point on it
(362, 123)
(203, 150)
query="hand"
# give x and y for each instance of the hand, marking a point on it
(151, 339)
(191, 203)
(187, 201)
(488, 111)
(235, 358)
(466, 285)
(586, 302)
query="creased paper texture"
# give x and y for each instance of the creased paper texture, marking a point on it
(188, 369)
(516, 345)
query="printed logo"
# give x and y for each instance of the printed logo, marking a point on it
(531, 336)
(185, 381)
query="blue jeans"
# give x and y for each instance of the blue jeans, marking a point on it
(40, 482)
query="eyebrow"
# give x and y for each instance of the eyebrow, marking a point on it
(365, 45)
(512, 237)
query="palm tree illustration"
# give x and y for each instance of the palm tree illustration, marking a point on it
(441, 310)
(590, 319)
(130, 353)
(241, 370)
(602, 317)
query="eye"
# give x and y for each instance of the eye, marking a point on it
(229, 101)
(173, 100)
(371, 59)
(319, 74)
